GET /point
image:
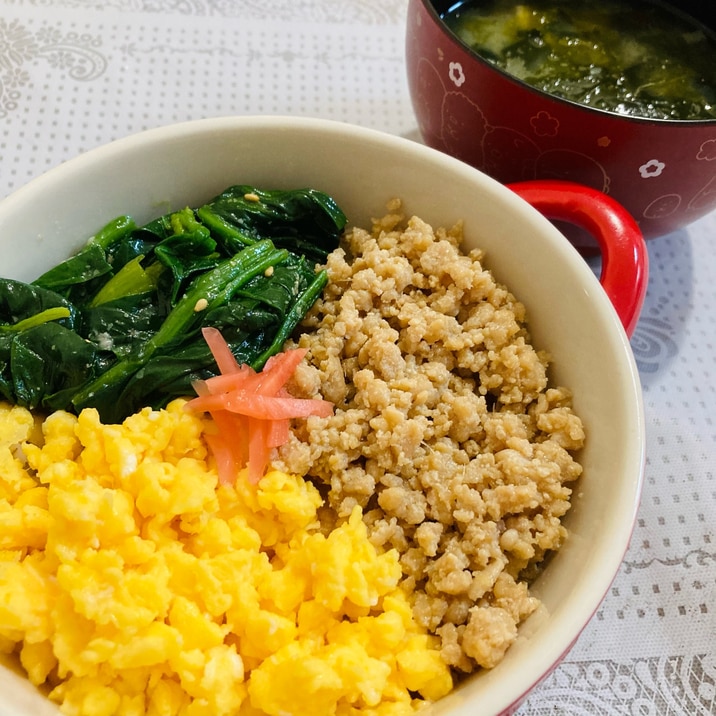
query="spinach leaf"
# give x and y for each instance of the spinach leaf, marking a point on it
(292, 318)
(131, 280)
(44, 365)
(89, 263)
(21, 301)
(281, 288)
(305, 221)
(186, 255)
(118, 325)
(163, 377)
(213, 288)
(122, 326)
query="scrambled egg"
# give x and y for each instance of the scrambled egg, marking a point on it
(131, 583)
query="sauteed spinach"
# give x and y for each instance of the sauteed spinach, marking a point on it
(118, 325)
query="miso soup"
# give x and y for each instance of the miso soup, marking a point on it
(639, 58)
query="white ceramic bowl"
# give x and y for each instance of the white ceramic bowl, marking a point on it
(148, 174)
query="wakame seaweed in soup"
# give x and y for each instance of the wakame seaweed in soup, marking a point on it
(638, 58)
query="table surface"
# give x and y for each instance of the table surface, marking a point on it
(75, 74)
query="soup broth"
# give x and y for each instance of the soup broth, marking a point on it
(639, 58)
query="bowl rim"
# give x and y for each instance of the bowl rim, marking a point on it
(570, 619)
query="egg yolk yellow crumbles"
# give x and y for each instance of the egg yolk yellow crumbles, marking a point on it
(132, 583)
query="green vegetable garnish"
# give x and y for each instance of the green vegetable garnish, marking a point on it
(118, 325)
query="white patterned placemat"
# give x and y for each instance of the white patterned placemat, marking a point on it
(649, 651)
(75, 74)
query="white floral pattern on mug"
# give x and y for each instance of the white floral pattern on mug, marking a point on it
(456, 74)
(652, 168)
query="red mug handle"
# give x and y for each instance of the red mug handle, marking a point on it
(625, 262)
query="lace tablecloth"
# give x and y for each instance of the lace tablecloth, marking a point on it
(75, 74)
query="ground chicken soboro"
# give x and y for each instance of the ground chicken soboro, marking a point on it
(445, 431)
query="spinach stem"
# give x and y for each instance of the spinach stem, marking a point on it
(49, 314)
(297, 311)
(221, 227)
(113, 231)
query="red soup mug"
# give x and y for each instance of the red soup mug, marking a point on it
(662, 171)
